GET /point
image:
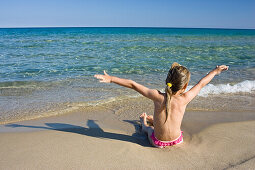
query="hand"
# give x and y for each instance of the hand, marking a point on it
(221, 68)
(103, 78)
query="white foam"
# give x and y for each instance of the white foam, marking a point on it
(245, 86)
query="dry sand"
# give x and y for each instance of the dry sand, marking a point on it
(109, 137)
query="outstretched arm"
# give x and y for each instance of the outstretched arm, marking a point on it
(149, 93)
(188, 96)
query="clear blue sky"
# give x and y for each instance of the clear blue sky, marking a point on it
(128, 13)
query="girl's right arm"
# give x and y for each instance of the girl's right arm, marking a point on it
(152, 94)
(188, 96)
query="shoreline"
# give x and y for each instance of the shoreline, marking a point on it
(197, 119)
(236, 103)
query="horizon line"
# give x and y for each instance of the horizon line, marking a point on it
(126, 27)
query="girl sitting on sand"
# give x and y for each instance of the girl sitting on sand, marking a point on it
(169, 107)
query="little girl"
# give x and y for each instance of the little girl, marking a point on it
(169, 107)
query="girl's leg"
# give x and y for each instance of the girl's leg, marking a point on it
(145, 127)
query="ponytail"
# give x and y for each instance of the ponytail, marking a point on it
(169, 94)
(178, 76)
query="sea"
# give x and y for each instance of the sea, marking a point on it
(49, 71)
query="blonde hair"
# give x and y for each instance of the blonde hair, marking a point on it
(178, 76)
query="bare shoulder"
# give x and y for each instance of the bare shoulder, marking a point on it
(160, 97)
(189, 95)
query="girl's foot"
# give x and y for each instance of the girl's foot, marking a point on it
(150, 119)
(143, 121)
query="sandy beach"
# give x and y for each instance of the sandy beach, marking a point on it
(74, 76)
(109, 137)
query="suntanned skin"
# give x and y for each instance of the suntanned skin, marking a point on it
(164, 130)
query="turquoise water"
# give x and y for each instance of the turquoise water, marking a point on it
(43, 68)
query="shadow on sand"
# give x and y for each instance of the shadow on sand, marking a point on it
(93, 130)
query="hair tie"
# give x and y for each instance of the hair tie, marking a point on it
(169, 84)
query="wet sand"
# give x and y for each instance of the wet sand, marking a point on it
(109, 137)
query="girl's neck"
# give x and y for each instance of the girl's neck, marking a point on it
(178, 93)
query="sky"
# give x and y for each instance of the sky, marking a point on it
(128, 13)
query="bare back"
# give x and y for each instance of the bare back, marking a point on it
(167, 130)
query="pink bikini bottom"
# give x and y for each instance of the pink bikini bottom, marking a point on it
(161, 144)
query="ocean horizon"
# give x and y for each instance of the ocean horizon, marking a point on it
(220, 28)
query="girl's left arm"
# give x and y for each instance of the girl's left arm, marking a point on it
(152, 94)
(188, 96)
